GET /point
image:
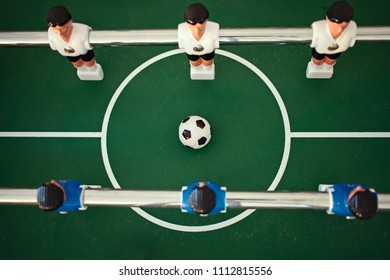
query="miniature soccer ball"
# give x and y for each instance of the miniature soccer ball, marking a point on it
(194, 132)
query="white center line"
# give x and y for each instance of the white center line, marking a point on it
(51, 134)
(340, 134)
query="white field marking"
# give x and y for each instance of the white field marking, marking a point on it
(183, 228)
(230, 221)
(50, 134)
(340, 134)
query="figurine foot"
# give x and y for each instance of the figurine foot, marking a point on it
(203, 73)
(94, 73)
(324, 187)
(322, 71)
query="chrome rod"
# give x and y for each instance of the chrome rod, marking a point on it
(18, 196)
(169, 36)
(279, 200)
(172, 199)
(130, 198)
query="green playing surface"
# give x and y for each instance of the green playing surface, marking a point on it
(249, 151)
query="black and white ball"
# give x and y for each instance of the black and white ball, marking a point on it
(195, 132)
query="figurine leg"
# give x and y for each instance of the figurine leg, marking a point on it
(88, 70)
(93, 73)
(204, 71)
(323, 71)
(324, 187)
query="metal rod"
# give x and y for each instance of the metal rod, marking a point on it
(172, 199)
(18, 196)
(384, 202)
(169, 36)
(129, 198)
(278, 200)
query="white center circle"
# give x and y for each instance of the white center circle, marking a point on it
(246, 213)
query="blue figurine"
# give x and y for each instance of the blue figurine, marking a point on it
(61, 196)
(203, 198)
(351, 200)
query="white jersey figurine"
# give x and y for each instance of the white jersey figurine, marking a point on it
(331, 37)
(199, 38)
(72, 41)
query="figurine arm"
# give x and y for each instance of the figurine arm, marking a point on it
(181, 45)
(352, 42)
(353, 39)
(180, 31)
(51, 40)
(87, 42)
(52, 46)
(217, 38)
(315, 36)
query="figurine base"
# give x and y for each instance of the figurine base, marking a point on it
(86, 74)
(202, 73)
(318, 71)
(324, 187)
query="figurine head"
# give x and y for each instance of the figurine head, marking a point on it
(196, 16)
(339, 12)
(196, 13)
(364, 204)
(59, 19)
(58, 15)
(202, 199)
(50, 196)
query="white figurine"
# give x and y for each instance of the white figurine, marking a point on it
(331, 37)
(72, 41)
(199, 37)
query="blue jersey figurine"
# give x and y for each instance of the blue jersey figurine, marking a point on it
(351, 200)
(203, 198)
(61, 196)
